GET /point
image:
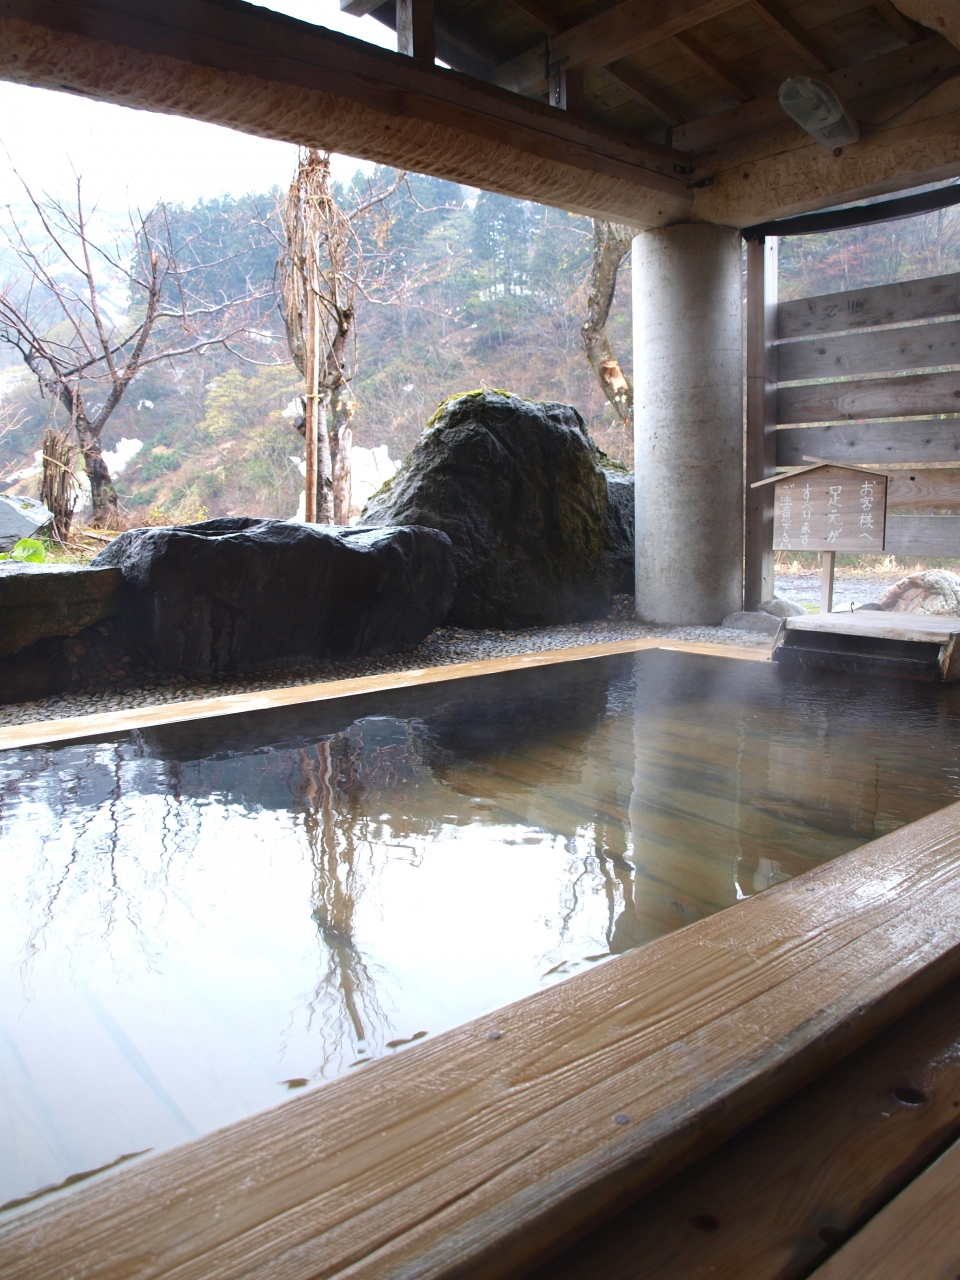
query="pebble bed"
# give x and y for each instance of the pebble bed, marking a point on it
(446, 645)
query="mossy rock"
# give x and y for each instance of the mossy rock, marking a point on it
(518, 487)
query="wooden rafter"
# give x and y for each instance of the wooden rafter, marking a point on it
(650, 95)
(613, 34)
(541, 15)
(876, 89)
(908, 30)
(714, 67)
(809, 49)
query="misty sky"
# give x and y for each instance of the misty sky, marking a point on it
(132, 158)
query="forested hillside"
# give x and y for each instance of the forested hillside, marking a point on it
(462, 291)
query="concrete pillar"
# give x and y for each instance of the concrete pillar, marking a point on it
(688, 423)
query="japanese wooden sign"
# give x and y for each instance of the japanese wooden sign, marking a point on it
(829, 508)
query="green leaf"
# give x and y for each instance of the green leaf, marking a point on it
(29, 549)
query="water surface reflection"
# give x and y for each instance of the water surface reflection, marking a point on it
(201, 918)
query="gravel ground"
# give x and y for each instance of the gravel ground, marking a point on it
(848, 588)
(446, 645)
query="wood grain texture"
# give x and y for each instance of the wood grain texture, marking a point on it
(616, 32)
(873, 398)
(931, 536)
(917, 1235)
(108, 722)
(889, 351)
(924, 492)
(871, 443)
(932, 628)
(789, 173)
(881, 304)
(472, 1156)
(920, 66)
(774, 1201)
(263, 73)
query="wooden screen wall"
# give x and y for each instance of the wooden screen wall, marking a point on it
(870, 377)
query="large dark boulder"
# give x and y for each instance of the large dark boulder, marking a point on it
(238, 594)
(518, 487)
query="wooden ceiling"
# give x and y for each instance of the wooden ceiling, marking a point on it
(644, 111)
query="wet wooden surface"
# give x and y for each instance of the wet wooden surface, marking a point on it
(107, 722)
(475, 1153)
(778, 1198)
(917, 1236)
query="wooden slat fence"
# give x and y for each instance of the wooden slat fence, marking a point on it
(870, 377)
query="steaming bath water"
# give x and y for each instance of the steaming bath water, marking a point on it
(198, 920)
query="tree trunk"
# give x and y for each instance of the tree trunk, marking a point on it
(341, 443)
(325, 513)
(106, 508)
(58, 484)
(611, 244)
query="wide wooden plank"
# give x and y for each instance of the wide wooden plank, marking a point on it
(889, 351)
(264, 73)
(882, 304)
(864, 443)
(916, 1235)
(936, 537)
(110, 722)
(615, 33)
(932, 628)
(870, 398)
(924, 492)
(774, 1201)
(473, 1154)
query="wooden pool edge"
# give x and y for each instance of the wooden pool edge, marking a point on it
(48, 732)
(483, 1151)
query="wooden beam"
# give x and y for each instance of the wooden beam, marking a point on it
(540, 14)
(724, 75)
(416, 29)
(777, 1199)
(904, 28)
(650, 95)
(938, 15)
(800, 41)
(877, 88)
(738, 183)
(761, 434)
(916, 1235)
(615, 33)
(475, 1153)
(262, 72)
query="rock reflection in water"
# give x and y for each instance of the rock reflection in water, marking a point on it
(199, 918)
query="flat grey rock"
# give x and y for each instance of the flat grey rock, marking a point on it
(778, 608)
(38, 601)
(20, 518)
(743, 620)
